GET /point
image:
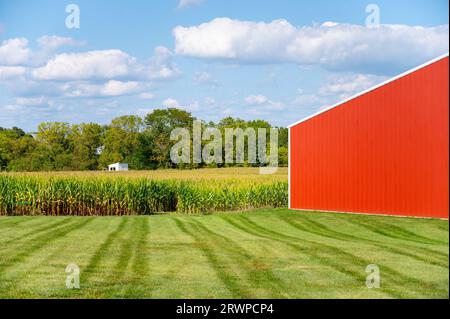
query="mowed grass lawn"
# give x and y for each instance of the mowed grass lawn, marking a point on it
(258, 254)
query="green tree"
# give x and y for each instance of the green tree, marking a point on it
(84, 141)
(15, 145)
(122, 142)
(159, 125)
(143, 144)
(54, 145)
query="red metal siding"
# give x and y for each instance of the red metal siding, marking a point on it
(384, 152)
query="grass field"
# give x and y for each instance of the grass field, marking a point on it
(258, 254)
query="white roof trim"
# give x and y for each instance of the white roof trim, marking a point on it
(371, 89)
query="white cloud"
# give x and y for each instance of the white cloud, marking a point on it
(330, 24)
(337, 88)
(7, 72)
(107, 64)
(14, 52)
(256, 99)
(101, 73)
(223, 38)
(162, 66)
(187, 3)
(115, 88)
(344, 86)
(33, 101)
(104, 64)
(146, 96)
(173, 103)
(50, 43)
(262, 100)
(110, 88)
(382, 50)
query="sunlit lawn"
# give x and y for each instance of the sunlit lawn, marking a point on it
(258, 254)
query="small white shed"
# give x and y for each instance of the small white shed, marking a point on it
(118, 167)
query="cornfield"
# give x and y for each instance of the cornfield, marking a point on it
(82, 195)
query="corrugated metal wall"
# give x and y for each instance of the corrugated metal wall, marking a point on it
(385, 152)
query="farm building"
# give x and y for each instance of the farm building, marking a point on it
(383, 151)
(118, 167)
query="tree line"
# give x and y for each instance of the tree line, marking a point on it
(143, 143)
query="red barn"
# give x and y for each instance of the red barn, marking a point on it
(383, 151)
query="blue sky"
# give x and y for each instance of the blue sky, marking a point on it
(275, 60)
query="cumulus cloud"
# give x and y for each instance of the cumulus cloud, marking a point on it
(173, 103)
(115, 88)
(46, 79)
(14, 52)
(334, 46)
(33, 101)
(162, 66)
(50, 43)
(110, 88)
(337, 88)
(7, 72)
(187, 3)
(100, 73)
(261, 100)
(256, 99)
(344, 86)
(107, 64)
